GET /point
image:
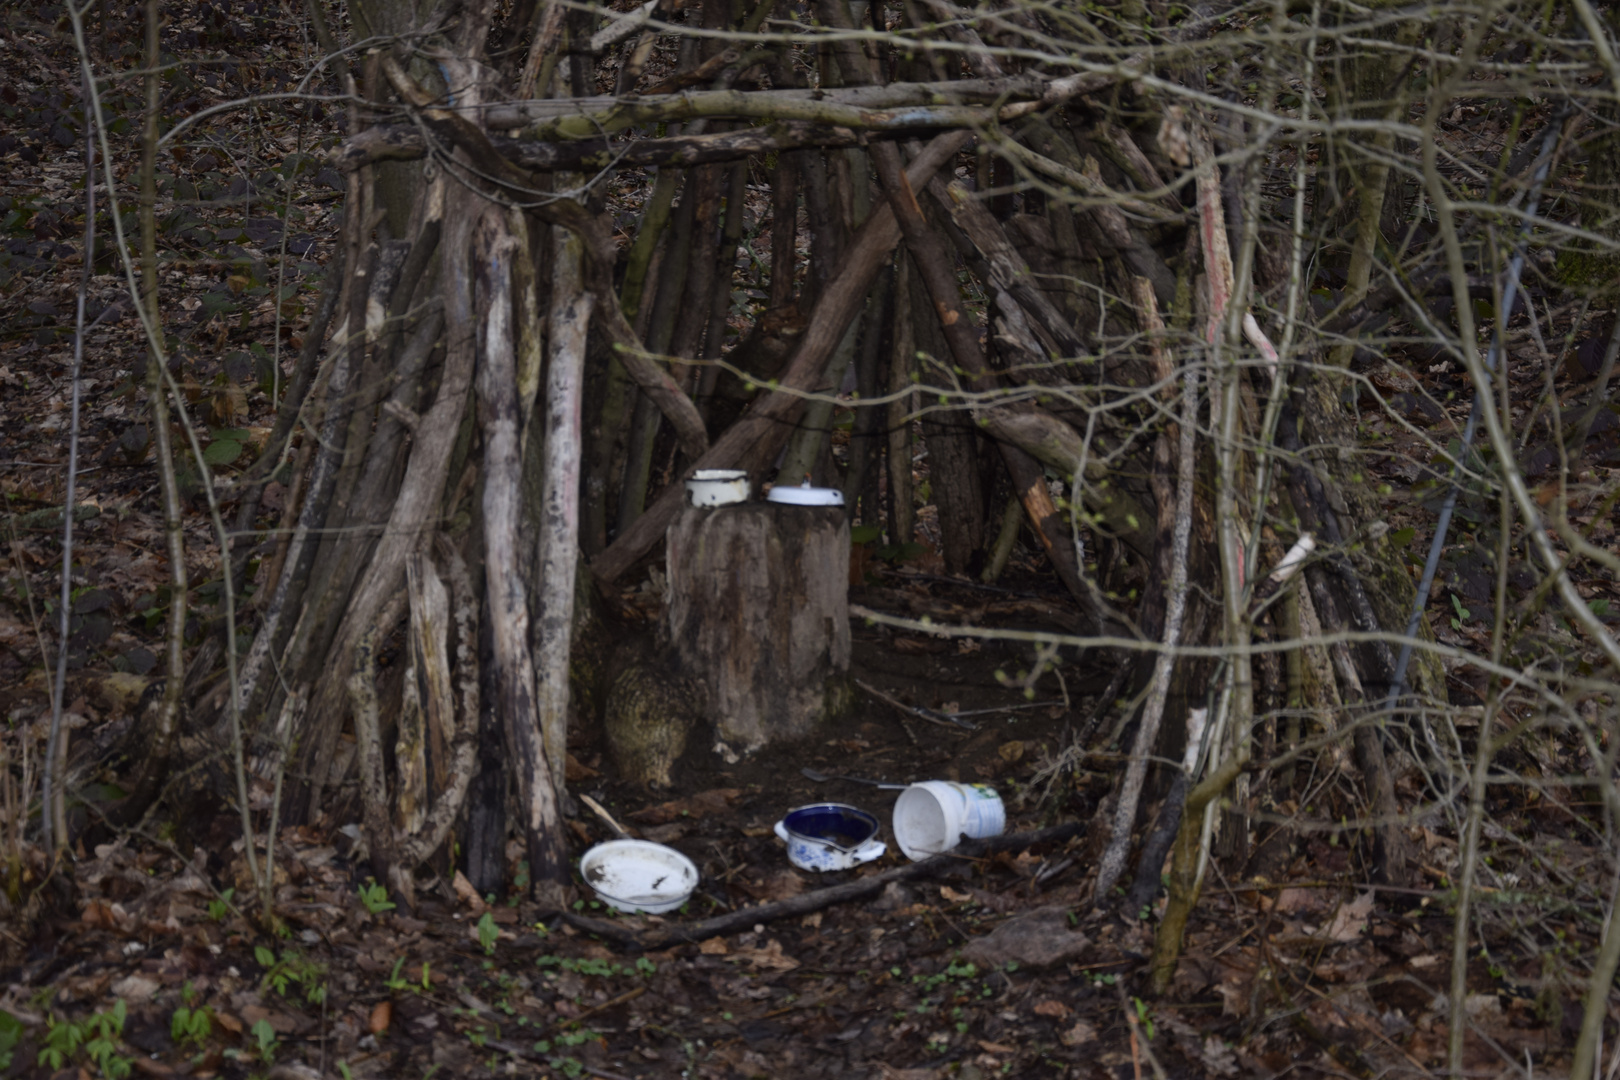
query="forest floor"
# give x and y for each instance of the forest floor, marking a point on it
(133, 956)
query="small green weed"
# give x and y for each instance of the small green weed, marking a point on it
(96, 1036)
(191, 1023)
(1143, 1018)
(11, 1033)
(375, 897)
(265, 1042)
(488, 933)
(292, 970)
(587, 966)
(220, 906)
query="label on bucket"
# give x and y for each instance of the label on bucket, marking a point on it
(986, 814)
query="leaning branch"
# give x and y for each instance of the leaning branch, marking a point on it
(405, 142)
(1025, 91)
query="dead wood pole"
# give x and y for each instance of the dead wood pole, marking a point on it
(933, 265)
(638, 308)
(505, 591)
(1316, 516)
(753, 441)
(559, 511)
(696, 301)
(288, 410)
(1184, 877)
(725, 262)
(459, 757)
(902, 362)
(304, 617)
(866, 440)
(416, 505)
(1048, 438)
(282, 612)
(1147, 732)
(424, 698)
(949, 435)
(159, 738)
(53, 819)
(661, 328)
(672, 323)
(806, 452)
(380, 834)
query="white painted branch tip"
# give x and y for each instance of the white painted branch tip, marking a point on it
(1295, 558)
(1196, 721)
(1257, 338)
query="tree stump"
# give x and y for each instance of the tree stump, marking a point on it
(759, 611)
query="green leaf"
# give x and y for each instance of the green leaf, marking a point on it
(1401, 537)
(11, 1033)
(865, 534)
(222, 452)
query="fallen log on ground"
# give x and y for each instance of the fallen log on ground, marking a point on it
(731, 922)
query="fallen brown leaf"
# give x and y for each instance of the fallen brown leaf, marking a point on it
(1078, 1035)
(699, 805)
(770, 957)
(381, 1016)
(1350, 921)
(467, 894)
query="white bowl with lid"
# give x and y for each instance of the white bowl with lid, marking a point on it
(805, 495)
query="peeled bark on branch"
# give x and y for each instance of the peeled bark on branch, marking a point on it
(593, 117)
(493, 248)
(559, 501)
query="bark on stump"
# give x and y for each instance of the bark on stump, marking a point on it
(759, 610)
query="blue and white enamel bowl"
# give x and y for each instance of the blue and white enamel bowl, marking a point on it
(830, 836)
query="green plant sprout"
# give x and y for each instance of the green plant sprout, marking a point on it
(97, 1036)
(191, 1023)
(292, 970)
(375, 897)
(1143, 1018)
(219, 907)
(488, 933)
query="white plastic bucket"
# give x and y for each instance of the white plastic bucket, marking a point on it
(934, 815)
